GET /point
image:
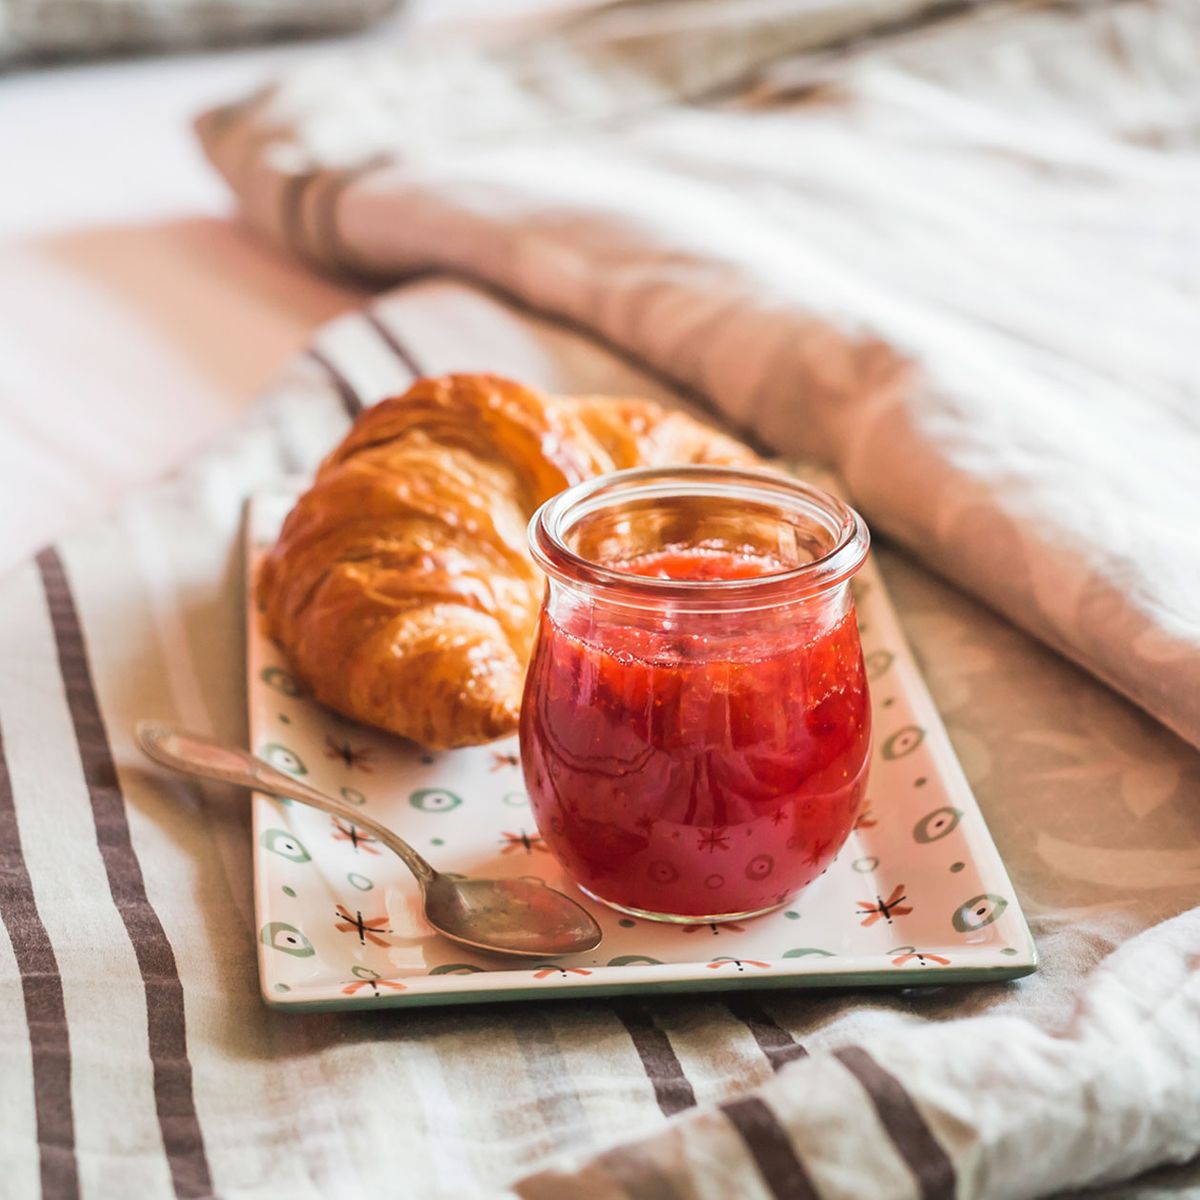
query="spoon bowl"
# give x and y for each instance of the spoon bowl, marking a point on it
(509, 916)
(520, 917)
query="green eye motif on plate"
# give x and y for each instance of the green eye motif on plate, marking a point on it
(362, 972)
(281, 936)
(903, 741)
(805, 951)
(978, 912)
(516, 799)
(936, 825)
(456, 969)
(877, 663)
(360, 881)
(631, 960)
(434, 800)
(283, 759)
(281, 681)
(280, 842)
(353, 796)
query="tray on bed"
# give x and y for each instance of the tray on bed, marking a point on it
(918, 895)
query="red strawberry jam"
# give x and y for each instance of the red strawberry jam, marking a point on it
(696, 768)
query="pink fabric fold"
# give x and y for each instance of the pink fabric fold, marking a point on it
(955, 276)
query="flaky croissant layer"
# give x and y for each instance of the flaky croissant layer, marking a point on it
(401, 587)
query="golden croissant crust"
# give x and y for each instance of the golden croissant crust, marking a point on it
(401, 586)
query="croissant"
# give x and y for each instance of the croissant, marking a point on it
(401, 587)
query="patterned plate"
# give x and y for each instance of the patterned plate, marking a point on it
(918, 895)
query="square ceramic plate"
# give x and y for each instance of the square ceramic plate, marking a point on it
(918, 894)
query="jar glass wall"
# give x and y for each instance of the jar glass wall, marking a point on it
(695, 729)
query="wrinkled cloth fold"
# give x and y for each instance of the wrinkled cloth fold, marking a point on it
(961, 268)
(991, 1107)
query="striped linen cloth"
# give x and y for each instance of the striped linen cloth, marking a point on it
(137, 1059)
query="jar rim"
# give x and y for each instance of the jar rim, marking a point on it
(553, 520)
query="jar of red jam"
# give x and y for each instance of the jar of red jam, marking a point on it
(696, 727)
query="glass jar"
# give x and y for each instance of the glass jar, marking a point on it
(695, 730)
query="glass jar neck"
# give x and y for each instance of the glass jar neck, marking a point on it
(803, 544)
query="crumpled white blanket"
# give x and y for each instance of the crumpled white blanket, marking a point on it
(1008, 1110)
(963, 270)
(957, 259)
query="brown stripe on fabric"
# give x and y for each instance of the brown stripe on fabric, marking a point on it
(663, 1068)
(772, 1149)
(329, 239)
(291, 214)
(557, 1099)
(393, 343)
(45, 1011)
(174, 1101)
(351, 401)
(773, 1040)
(906, 1127)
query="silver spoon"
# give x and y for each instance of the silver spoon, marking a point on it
(504, 916)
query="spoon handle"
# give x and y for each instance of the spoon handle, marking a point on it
(194, 754)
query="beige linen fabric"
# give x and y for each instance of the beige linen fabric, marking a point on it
(964, 273)
(137, 1058)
